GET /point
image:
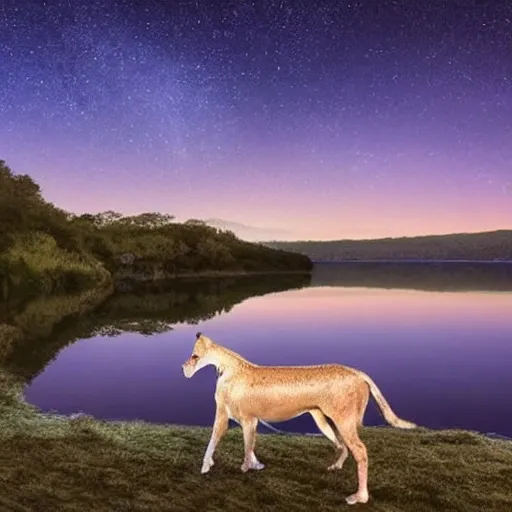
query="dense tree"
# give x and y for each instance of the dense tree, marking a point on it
(44, 248)
(148, 220)
(195, 222)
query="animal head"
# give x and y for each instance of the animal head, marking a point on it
(201, 356)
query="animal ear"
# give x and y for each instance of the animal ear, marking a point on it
(207, 342)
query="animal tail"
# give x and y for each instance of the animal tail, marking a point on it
(384, 406)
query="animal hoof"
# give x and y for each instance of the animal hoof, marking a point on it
(255, 466)
(206, 467)
(357, 498)
(334, 467)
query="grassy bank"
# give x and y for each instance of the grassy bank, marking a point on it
(85, 464)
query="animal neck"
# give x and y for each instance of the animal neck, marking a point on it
(227, 361)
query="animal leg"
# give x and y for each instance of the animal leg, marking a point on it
(347, 423)
(249, 432)
(360, 454)
(327, 431)
(347, 417)
(220, 427)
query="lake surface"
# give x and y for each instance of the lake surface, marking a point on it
(437, 340)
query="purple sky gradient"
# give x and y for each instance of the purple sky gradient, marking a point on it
(329, 119)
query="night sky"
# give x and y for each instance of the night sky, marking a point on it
(329, 119)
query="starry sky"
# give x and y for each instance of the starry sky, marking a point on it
(328, 119)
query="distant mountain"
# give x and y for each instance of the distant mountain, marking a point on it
(250, 233)
(489, 245)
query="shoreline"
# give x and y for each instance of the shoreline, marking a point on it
(74, 416)
(211, 273)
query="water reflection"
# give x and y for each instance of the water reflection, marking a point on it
(144, 310)
(442, 358)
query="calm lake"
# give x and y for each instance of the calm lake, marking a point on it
(436, 338)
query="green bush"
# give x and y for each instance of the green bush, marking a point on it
(36, 264)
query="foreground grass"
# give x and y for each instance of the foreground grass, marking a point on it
(57, 464)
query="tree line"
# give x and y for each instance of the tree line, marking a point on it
(492, 245)
(44, 249)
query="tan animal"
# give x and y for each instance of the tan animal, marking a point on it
(247, 392)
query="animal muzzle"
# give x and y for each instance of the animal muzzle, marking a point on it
(188, 370)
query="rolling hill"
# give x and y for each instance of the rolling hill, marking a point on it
(490, 245)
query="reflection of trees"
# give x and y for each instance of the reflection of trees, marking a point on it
(33, 333)
(438, 276)
(149, 309)
(146, 327)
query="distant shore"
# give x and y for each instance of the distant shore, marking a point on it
(484, 246)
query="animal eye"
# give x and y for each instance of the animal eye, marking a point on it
(194, 356)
